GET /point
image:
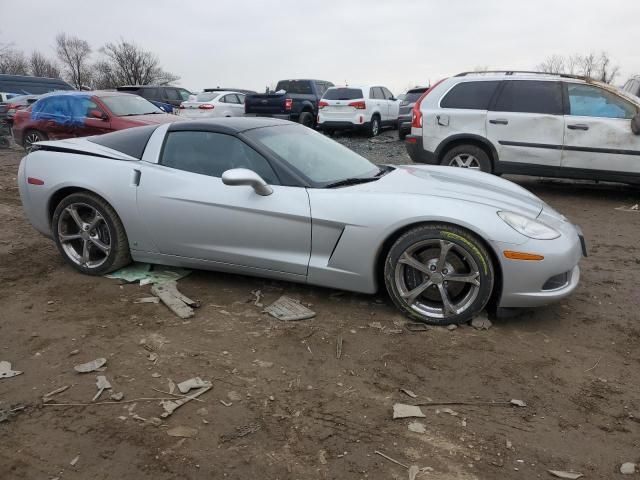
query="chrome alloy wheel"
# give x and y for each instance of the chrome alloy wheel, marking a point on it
(30, 139)
(84, 235)
(465, 160)
(437, 278)
(375, 127)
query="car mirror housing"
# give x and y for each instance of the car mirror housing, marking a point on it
(635, 124)
(98, 114)
(244, 176)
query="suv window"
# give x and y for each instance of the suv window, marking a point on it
(146, 92)
(387, 93)
(590, 101)
(173, 94)
(343, 94)
(530, 96)
(470, 95)
(321, 87)
(184, 93)
(375, 92)
(212, 154)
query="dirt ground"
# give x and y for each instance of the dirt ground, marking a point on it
(304, 413)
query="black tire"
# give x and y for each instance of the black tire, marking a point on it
(374, 126)
(466, 256)
(306, 119)
(113, 235)
(481, 159)
(402, 134)
(30, 137)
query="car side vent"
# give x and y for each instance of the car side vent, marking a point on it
(557, 281)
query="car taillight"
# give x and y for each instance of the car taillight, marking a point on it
(359, 105)
(322, 104)
(206, 106)
(416, 114)
(181, 107)
(288, 103)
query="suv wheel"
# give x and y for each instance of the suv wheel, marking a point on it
(374, 126)
(467, 156)
(306, 119)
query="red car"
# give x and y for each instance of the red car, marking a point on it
(78, 114)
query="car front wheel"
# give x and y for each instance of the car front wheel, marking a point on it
(89, 234)
(439, 274)
(31, 137)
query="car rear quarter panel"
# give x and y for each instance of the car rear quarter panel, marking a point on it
(111, 179)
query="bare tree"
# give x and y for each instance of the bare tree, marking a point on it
(13, 62)
(128, 64)
(591, 65)
(41, 66)
(74, 54)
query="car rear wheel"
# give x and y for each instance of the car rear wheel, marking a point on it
(467, 156)
(374, 126)
(306, 119)
(439, 274)
(31, 137)
(89, 234)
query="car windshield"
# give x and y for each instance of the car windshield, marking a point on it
(206, 96)
(129, 105)
(343, 94)
(318, 158)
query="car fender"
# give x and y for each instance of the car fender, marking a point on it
(443, 146)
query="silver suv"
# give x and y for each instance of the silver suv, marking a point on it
(528, 123)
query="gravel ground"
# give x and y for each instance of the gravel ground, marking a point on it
(292, 410)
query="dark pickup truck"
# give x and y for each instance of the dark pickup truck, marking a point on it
(295, 100)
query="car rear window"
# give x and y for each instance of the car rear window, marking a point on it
(295, 86)
(530, 96)
(470, 95)
(343, 94)
(412, 97)
(131, 141)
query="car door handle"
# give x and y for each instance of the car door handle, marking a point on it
(499, 121)
(578, 126)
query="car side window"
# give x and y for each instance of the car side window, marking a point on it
(530, 96)
(212, 154)
(470, 95)
(321, 88)
(232, 98)
(223, 99)
(590, 101)
(376, 93)
(241, 98)
(173, 94)
(387, 93)
(184, 94)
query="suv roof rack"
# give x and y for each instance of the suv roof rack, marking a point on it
(529, 72)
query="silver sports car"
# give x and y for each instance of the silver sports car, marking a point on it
(274, 199)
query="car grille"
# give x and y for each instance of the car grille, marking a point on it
(557, 281)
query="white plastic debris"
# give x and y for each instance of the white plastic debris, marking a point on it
(628, 468)
(417, 427)
(401, 410)
(289, 310)
(184, 432)
(565, 475)
(195, 382)
(148, 300)
(6, 372)
(176, 301)
(91, 366)
(408, 392)
(102, 384)
(481, 322)
(517, 403)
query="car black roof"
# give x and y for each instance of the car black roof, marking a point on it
(228, 124)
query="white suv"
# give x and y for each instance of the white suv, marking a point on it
(529, 123)
(366, 107)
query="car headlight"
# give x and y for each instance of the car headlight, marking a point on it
(529, 227)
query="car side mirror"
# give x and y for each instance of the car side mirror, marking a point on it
(244, 176)
(393, 99)
(635, 124)
(98, 114)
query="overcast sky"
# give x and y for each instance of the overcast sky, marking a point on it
(251, 44)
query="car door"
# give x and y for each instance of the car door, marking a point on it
(598, 132)
(190, 213)
(526, 123)
(393, 105)
(376, 100)
(235, 107)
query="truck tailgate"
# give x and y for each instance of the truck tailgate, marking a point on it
(267, 103)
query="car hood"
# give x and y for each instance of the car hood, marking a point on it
(457, 183)
(153, 119)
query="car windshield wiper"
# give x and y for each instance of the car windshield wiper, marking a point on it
(351, 181)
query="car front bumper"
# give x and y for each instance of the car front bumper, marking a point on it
(531, 283)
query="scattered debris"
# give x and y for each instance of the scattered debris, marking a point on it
(142, 272)
(240, 432)
(632, 208)
(155, 375)
(258, 295)
(234, 396)
(176, 301)
(514, 402)
(91, 366)
(449, 411)
(102, 384)
(226, 404)
(377, 325)
(322, 457)
(628, 468)
(263, 364)
(153, 341)
(508, 444)
(339, 347)
(74, 352)
(517, 403)
(153, 357)
(6, 372)
(452, 326)
(408, 392)
(413, 471)
(417, 327)
(289, 310)
(185, 432)
(400, 410)
(382, 139)
(5, 415)
(417, 427)
(594, 366)
(202, 411)
(148, 300)
(172, 386)
(481, 322)
(171, 406)
(377, 452)
(116, 397)
(47, 397)
(192, 383)
(74, 461)
(566, 475)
